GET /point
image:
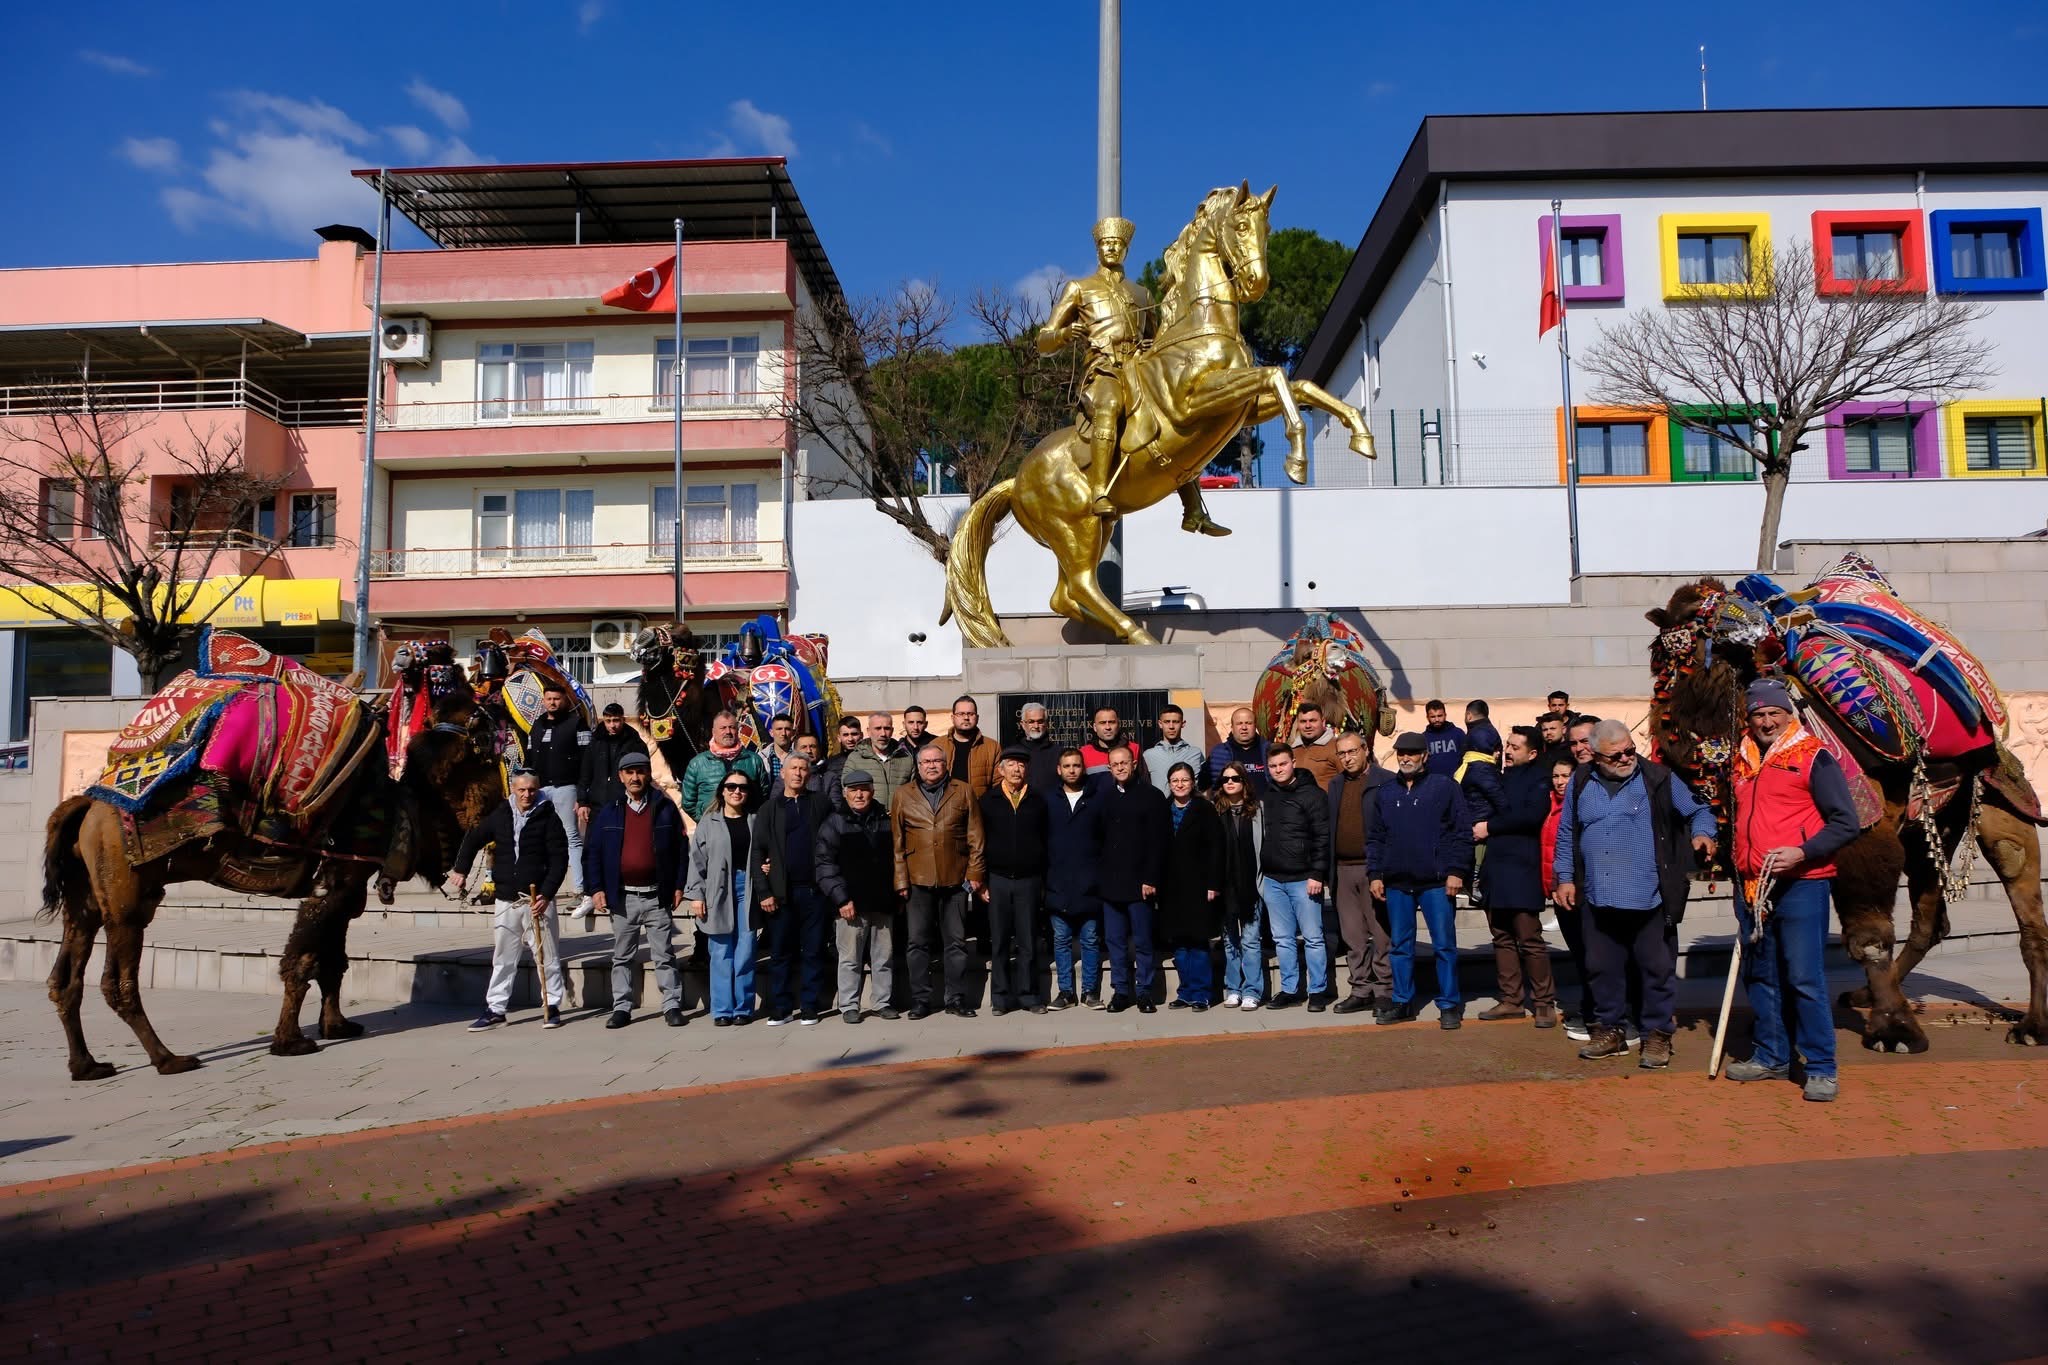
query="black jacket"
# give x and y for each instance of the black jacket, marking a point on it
(598, 785)
(1297, 845)
(1424, 833)
(1134, 834)
(1362, 790)
(1513, 871)
(607, 838)
(771, 843)
(1670, 837)
(1042, 770)
(554, 748)
(1073, 845)
(1013, 838)
(543, 859)
(1188, 918)
(856, 863)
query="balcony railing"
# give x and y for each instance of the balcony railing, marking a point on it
(235, 540)
(554, 561)
(611, 407)
(178, 395)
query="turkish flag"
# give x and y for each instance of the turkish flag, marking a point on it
(652, 290)
(1552, 309)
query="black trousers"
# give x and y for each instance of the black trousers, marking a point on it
(1617, 939)
(937, 913)
(1574, 925)
(1015, 905)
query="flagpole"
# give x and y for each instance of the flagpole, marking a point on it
(1564, 372)
(675, 279)
(372, 406)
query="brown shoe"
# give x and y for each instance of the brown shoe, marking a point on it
(1546, 1016)
(1505, 1011)
(1657, 1051)
(1607, 1042)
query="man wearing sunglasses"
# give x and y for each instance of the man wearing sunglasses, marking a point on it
(1623, 866)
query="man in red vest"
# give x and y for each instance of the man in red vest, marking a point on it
(1793, 813)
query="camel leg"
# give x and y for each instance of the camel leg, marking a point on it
(2013, 847)
(344, 906)
(297, 968)
(1866, 888)
(67, 983)
(121, 984)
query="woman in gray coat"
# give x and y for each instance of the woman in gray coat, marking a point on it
(718, 894)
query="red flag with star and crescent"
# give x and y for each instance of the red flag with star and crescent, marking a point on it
(652, 290)
(1551, 311)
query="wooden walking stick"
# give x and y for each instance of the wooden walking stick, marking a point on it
(540, 949)
(1763, 896)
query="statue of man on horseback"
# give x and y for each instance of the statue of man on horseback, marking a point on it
(1152, 417)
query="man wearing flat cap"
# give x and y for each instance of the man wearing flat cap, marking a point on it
(633, 863)
(1419, 852)
(1014, 825)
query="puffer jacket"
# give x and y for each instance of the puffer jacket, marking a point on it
(1297, 829)
(856, 861)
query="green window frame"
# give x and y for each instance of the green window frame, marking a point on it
(1697, 457)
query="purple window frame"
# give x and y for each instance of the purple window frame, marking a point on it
(1926, 439)
(1608, 225)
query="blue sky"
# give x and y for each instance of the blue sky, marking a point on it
(946, 143)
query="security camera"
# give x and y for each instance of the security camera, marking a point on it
(1479, 357)
(917, 637)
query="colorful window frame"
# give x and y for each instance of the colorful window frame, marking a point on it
(1672, 226)
(2033, 272)
(1912, 248)
(1954, 415)
(1659, 438)
(1608, 225)
(1718, 413)
(1926, 439)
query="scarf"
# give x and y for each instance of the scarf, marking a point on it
(724, 755)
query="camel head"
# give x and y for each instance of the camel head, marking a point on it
(453, 778)
(1709, 647)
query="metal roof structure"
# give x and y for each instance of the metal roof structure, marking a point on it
(280, 358)
(579, 203)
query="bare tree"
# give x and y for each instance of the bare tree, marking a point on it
(122, 535)
(1761, 364)
(888, 398)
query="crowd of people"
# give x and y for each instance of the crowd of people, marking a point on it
(858, 879)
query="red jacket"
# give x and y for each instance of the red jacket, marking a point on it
(1793, 796)
(1095, 758)
(1549, 838)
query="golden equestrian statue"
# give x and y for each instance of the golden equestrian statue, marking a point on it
(1152, 418)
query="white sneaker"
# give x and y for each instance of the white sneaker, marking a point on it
(1232, 1000)
(1576, 1030)
(587, 907)
(1631, 1035)
(1249, 1004)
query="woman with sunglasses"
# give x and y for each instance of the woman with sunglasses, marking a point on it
(719, 895)
(1244, 953)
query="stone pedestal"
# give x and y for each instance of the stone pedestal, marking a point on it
(1083, 668)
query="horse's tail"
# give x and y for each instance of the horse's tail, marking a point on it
(967, 569)
(61, 862)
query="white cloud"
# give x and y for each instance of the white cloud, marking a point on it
(760, 130)
(150, 153)
(439, 103)
(456, 152)
(588, 13)
(1041, 286)
(415, 143)
(116, 63)
(867, 136)
(316, 117)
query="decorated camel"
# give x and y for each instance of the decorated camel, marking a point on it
(1323, 663)
(1918, 727)
(256, 775)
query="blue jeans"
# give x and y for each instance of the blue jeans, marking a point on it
(1244, 959)
(1787, 977)
(1197, 976)
(1435, 905)
(732, 973)
(1128, 927)
(799, 934)
(1291, 911)
(1065, 929)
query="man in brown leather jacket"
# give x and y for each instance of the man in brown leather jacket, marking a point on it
(937, 832)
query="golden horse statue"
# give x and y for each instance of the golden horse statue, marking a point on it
(1189, 395)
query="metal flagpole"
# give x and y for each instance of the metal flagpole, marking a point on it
(1109, 180)
(1564, 371)
(371, 408)
(675, 280)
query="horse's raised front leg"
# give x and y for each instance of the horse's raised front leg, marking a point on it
(1315, 396)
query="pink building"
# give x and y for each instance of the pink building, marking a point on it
(525, 462)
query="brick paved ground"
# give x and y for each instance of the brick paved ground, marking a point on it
(1253, 1196)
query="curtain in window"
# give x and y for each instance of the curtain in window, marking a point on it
(1731, 260)
(707, 370)
(1998, 443)
(664, 537)
(1692, 261)
(1619, 451)
(745, 517)
(536, 520)
(704, 523)
(494, 379)
(1881, 256)
(745, 370)
(579, 505)
(2000, 252)
(664, 372)
(1582, 260)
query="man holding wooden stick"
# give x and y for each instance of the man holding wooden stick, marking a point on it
(1793, 813)
(526, 852)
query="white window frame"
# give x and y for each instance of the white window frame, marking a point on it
(324, 514)
(741, 353)
(578, 360)
(553, 551)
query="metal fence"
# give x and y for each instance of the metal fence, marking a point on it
(468, 561)
(568, 409)
(179, 395)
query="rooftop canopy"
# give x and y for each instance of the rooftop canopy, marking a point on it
(268, 353)
(572, 203)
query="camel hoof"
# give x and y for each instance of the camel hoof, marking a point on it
(92, 1071)
(1858, 999)
(1894, 1033)
(293, 1047)
(176, 1066)
(342, 1028)
(2028, 1032)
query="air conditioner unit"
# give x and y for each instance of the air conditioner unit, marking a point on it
(614, 634)
(408, 341)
